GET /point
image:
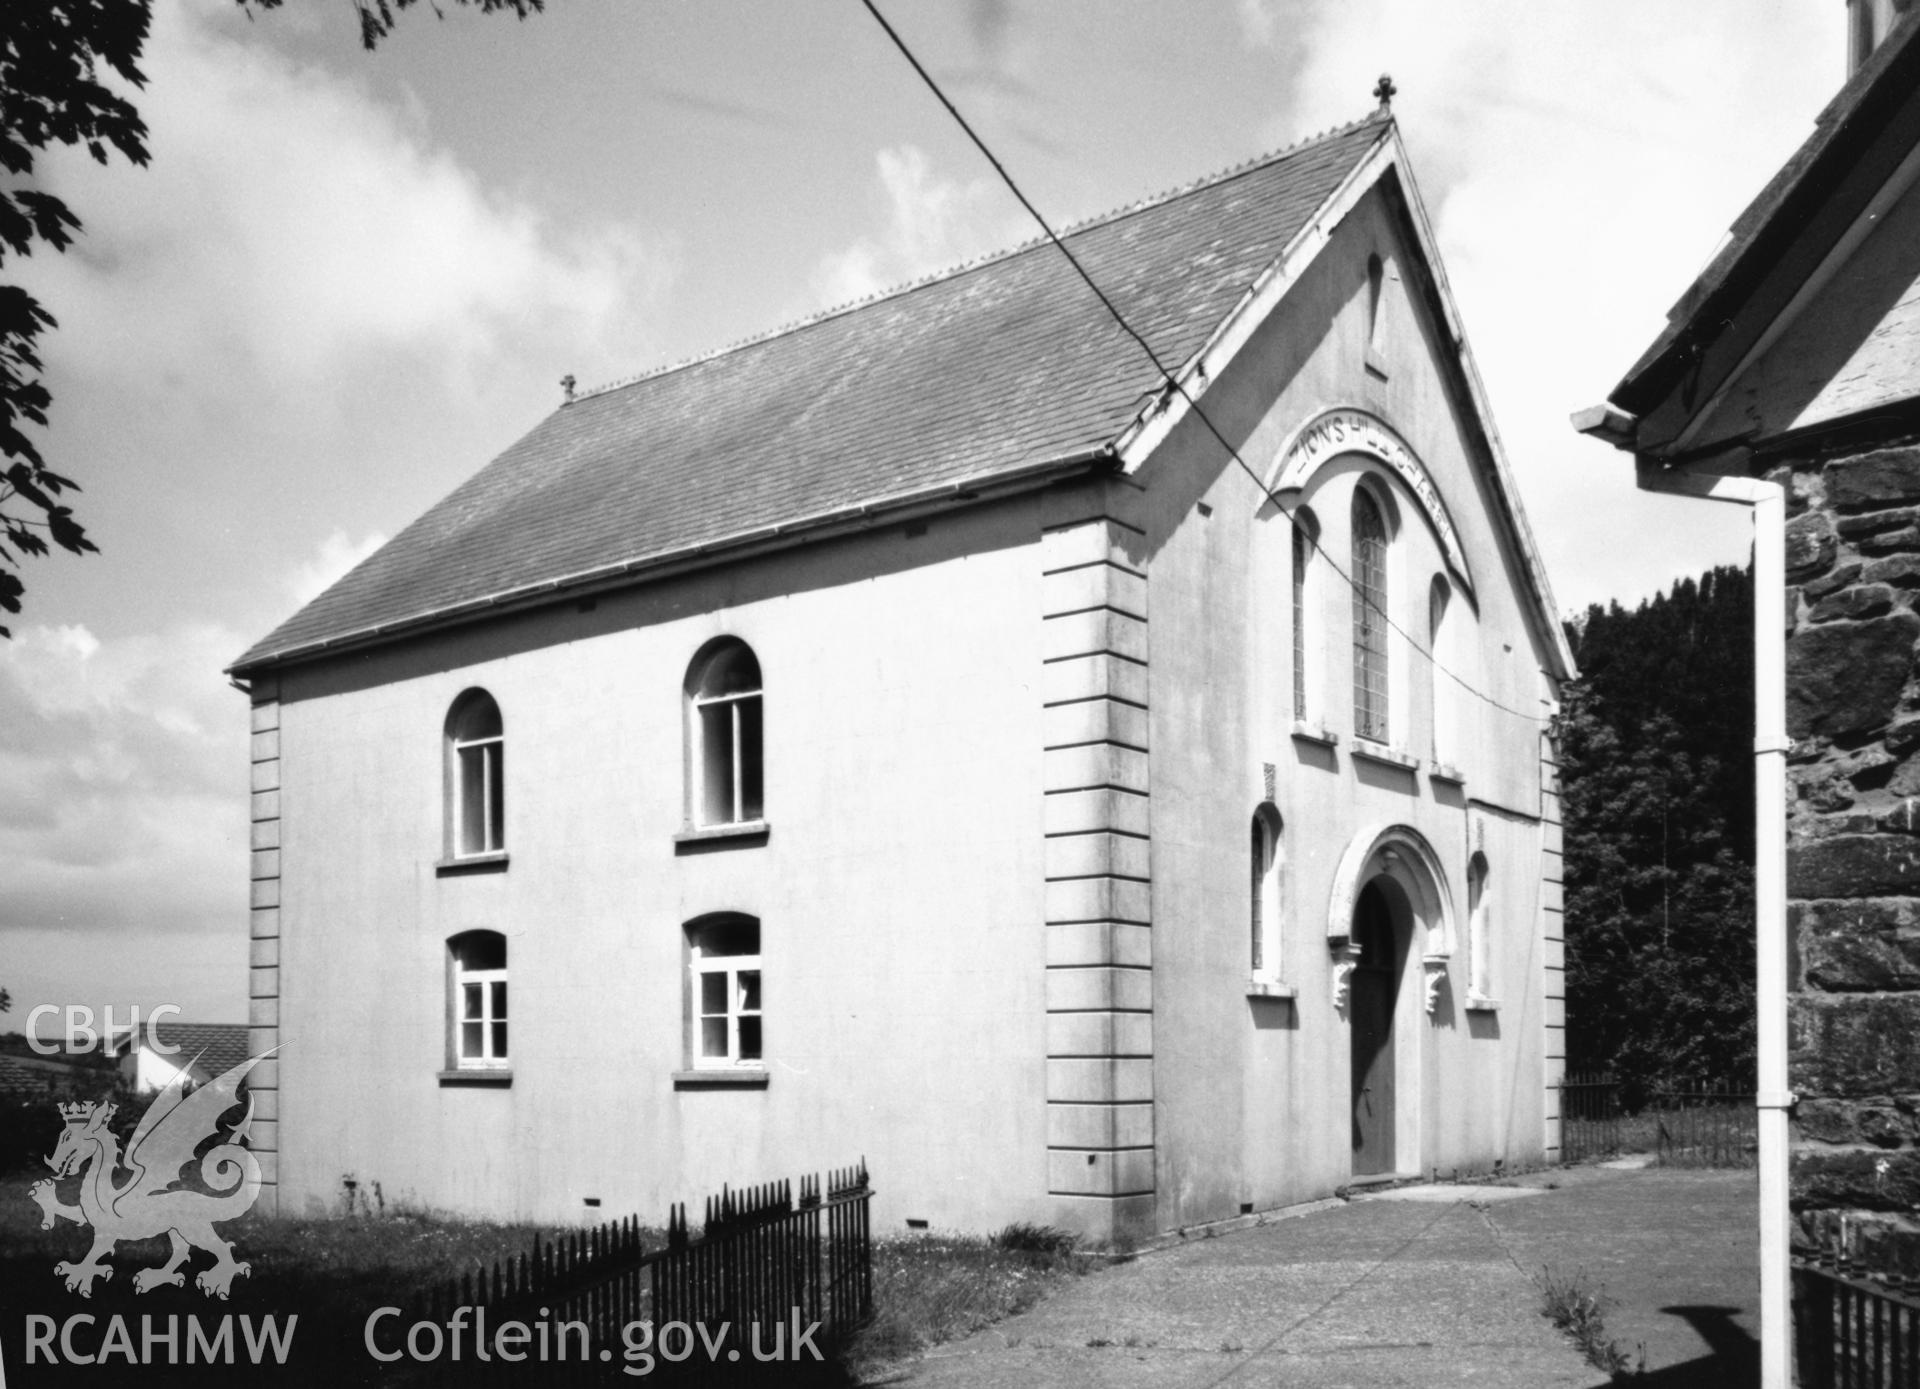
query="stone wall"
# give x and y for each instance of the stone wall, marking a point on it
(1853, 875)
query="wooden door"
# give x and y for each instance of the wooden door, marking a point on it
(1374, 991)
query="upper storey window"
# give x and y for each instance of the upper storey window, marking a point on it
(725, 773)
(1306, 530)
(1440, 673)
(1369, 618)
(476, 777)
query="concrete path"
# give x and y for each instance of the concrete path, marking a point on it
(1428, 1286)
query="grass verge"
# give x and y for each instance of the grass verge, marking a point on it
(333, 1271)
(933, 1288)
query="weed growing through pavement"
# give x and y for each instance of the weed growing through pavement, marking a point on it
(1580, 1312)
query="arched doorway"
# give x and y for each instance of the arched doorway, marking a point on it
(1373, 1000)
(1390, 928)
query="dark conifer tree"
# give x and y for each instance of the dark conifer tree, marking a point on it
(1656, 743)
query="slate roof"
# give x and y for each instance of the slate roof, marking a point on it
(974, 375)
(220, 1046)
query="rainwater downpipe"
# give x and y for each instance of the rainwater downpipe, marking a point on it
(1770, 745)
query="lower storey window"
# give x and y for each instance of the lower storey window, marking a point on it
(479, 965)
(726, 992)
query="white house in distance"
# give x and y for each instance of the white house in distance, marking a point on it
(199, 1050)
(912, 735)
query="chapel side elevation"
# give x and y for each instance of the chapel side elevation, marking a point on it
(914, 734)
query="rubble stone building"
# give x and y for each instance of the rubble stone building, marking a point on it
(1796, 357)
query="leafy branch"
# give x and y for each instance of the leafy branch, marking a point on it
(64, 69)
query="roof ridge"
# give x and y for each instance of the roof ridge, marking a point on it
(954, 271)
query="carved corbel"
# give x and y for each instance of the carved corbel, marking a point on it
(1436, 968)
(1346, 958)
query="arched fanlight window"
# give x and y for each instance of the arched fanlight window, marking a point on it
(1369, 575)
(475, 777)
(1305, 531)
(724, 736)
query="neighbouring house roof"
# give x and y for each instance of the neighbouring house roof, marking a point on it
(983, 374)
(34, 1074)
(218, 1046)
(1797, 218)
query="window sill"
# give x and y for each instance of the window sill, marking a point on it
(1384, 755)
(1477, 1004)
(471, 863)
(1315, 733)
(731, 1078)
(1270, 988)
(498, 1076)
(1441, 771)
(742, 835)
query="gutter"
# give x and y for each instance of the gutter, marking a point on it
(1770, 747)
(780, 535)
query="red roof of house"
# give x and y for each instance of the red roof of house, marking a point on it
(979, 374)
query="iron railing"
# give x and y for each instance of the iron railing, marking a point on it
(1589, 1116)
(1704, 1126)
(762, 1268)
(1852, 1330)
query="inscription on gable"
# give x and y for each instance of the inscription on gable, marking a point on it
(1346, 430)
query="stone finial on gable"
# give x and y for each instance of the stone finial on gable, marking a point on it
(1385, 91)
(567, 383)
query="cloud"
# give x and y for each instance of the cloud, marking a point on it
(123, 805)
(122, 780)
(337, 555)
(931, 223)
(290, 227)
(303, 316)
(1259, 21)
(1579, 176)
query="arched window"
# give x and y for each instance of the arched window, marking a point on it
(1440, 681)
(1306, 530)
(1264, 901)
(476, 777)
(724, 955)
(477, 1011)
(724, 752)
(1369, 618)
(1479, 932)
(1376, 283)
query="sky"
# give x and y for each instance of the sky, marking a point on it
(347, 280)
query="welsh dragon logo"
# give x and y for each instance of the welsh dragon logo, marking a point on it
(152, 1201)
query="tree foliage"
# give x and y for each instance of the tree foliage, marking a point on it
(377, 17)
(1656, 746)
(53, 90)
(57, 62)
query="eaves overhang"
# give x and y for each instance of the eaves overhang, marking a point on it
(844, 521)
(1778, 244)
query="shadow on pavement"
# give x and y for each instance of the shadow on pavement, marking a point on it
(1732, 1361)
